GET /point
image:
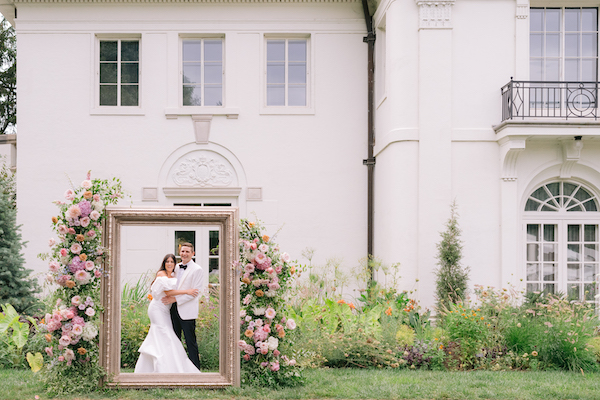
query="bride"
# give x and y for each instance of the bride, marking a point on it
(162, 351)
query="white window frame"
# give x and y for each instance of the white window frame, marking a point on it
(202, 37)
(285, 109)
(562, 219)
(95, 107)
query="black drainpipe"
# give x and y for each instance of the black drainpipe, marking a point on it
(370, 161)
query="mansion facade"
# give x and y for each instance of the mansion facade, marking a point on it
(354, 125)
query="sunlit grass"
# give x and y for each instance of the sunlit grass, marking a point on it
(359, 384)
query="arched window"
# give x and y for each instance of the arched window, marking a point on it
(562, 240)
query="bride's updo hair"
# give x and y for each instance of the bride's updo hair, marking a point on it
(162, 265)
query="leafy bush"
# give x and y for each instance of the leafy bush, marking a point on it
(14, 332)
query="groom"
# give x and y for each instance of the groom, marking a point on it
(185, 307)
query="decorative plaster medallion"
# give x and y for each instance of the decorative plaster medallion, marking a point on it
(202, 171)
(435, 14)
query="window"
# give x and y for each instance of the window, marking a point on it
(564, 44)
(562, 240)
(287, 72)
(119, 72)
(202, 72)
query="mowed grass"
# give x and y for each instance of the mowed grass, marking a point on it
(358, 384)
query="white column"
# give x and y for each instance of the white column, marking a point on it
(522, 40)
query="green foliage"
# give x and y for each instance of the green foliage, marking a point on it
(8, 77)
(207, 332)
(405, 336)
(135, 324)
(14, 332)
(452, 277)
(594, 346)
(16, 285)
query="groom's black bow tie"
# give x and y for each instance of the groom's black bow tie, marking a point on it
(183, 266)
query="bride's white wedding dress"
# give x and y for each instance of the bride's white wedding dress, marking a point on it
(162, 351)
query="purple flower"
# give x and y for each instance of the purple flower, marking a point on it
(85, 207)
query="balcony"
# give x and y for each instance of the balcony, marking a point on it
(552, 101)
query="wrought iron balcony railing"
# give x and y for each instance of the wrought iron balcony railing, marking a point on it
(560, 100)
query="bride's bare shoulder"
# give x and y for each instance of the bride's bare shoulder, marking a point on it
(161, 273)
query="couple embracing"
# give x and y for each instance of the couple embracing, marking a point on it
(173, 309)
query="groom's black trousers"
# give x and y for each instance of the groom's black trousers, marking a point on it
(188, 326)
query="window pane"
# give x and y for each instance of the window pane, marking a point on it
(108, 51)
(129, 73)
(589, 19)
(549, 288)
(532, 252)
(589, 291)
(553, 20)
(130, 50)
(213, 264)
(589, 70)
(533, 272)
(191, 73)
(549, 252)
(568, 188)
(540, 194)
(276, 95)
(275, 73)
(533, 233)
(533, 287)
(590, 233)
(582, 194)
(573, 291)
(213, 73)
(573, 252)
(537, 19)
(552, 45)
(213, 96)
(535, 45)
(297, 95)
(573, 233)
(536, 69)
(590, 44)
(549, 233)
(129, 95)
(590, 252)
(532, 205)
(572, 70)
(276, 50)
(296, 50)
(297, 73)
(213, 50)
(572, 44)
(108, 95)
(572, 19)
(573, 272)
(552, 70)
(192, 95)
(213, 243)
(108, 73)
(589, 272)
(554, 188)
(192, 50)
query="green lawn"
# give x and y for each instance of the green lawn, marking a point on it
(360, 384)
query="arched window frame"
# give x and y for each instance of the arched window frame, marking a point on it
(562, 239)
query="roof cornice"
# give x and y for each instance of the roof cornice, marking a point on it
(178, 1)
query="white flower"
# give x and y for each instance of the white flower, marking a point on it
(69, 195)
(272, 342)
(290, 324)
(271, 293)
(242, 313)
(263, 247)
(95, 215)
(51, 242)
(98, 206)
(86, 184)
(285, 257)
(89, 332)
(258, 311)
(73, 212)
(90, 312)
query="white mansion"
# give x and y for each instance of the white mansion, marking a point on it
(270, 106)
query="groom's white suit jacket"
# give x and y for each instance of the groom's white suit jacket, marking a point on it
(194, 277)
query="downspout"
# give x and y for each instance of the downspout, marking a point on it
(370, 161)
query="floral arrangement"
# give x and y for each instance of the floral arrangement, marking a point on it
(266, 274)
(75, 264)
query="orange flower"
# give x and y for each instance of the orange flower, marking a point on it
(281, 333)
(246, 280)
(251, 224)
(48, 337)
(388, 311)
(259, 293)
(83, 256)
(265, 238)
(80, 238)
(70, 284)
(54, 220)
(341, 301)
(150, 297)
(87, 194)
(352, 306)
(249, 333)
(81, 350)
(292, 270)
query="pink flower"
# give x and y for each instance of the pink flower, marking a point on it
(96, 197)
(253, 246)
(278, 327)
(292, 362)
(83, 276)
(274, 286)
(65, 340)
(91, 234)
(62, 229)
(71, 231)
(260, 335)
(76, 248)
(249, 268)
(90, 312)
(290, 324)
(276, 353)
(285, 257)
(278, 269)
(54, 266)
(263, 247)
(51, 242)
(242, 344)
(49, 351)
(64, 252)
(89, 265)
(69, 355)
(274, 366)
(269, 270)
(270, 313)
(77, 329)
(260, 258)
(246, 244)
(95, 215)
(61, 358)
(97, 274)
(69, 195)
(247, 299)
(76, 300)
(86, 184)
(247, 357)
(73, 212)
(85, 221)
(264, 363)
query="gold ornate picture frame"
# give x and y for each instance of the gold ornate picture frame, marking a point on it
(226, 218)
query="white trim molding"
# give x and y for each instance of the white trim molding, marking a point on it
(571, 154)
(509, 153)
(201, 192)
(435, 14)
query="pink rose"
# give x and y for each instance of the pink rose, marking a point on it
(51, 242)
(73, 212)
(96, 197)
(276, 353)
(83, 276)
(76, 300)
(89, 265)
(86, 184)
(270, 313)
(247, 357)
(64, 252)
(49, 351)
(285, 257)
(260, 258)
(90, 312)
(249, 268)
(269, 270)
(77, 329)
(54, 266)
(95, 215)
(274, 366)
(69, 195)
(278, 269)
(76, 248)
(62, 229)
(85, 221)
(290, 324)
(246, 244)
(91, 234)
(253, 246)
(97, 274)
(61, 358)
(71, 231)
(264, 363)
(263, 247)
(64, 340)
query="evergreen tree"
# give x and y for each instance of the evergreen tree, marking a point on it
(452, 278)
(8, 78)
(16, 286)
